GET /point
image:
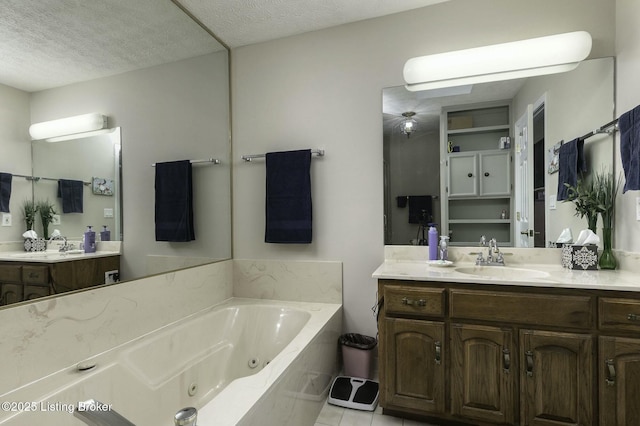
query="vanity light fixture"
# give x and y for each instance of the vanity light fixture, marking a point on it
(409, 124)
(518, 59)
(79, 126)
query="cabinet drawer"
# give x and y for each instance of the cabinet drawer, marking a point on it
(37, 275)
(414, 301)
(619, 314)
(522, 308)
(10, 274)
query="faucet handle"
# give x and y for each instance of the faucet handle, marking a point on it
(483, 241)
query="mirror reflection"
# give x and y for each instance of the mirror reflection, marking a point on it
(479, 159)
(162, 80)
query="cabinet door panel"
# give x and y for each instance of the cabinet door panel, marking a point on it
(557, 378)
(495, 173)
(463, 175)
(483, 382)
(414, 364)
(619, 371)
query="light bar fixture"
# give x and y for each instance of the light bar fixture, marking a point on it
(79, 126)
(518, 59)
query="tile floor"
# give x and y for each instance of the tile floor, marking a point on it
(332, 415)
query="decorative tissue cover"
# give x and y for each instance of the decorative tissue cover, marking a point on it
(584, 257)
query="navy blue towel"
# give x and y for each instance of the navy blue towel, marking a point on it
(288, 197)
(420, 209)
(71, 192)
(5, 191)
(629, 125)
(571, 163)
(174, 202)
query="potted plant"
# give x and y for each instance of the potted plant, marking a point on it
(606, 190)
(46, 215)
(29, 211)
(583, 196)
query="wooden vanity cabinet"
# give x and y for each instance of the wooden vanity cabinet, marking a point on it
(510, 355)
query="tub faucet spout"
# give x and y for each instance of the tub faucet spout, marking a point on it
(95, 413)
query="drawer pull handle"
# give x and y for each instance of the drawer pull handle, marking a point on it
(438, 346)
(506, 360)
(611, 372)
(409, 302)
(529, 360)
(633, 317)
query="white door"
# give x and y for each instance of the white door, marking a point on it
(524, 179)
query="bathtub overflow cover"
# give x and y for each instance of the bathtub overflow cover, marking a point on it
(193, 389)
(253, 362)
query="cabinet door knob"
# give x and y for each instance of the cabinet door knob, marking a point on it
(529, 361)
(438, 346)
(469, 174)
(611, 372)
(486, 174)
(506, 360)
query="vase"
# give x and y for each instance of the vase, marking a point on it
(592, 220)
(607, 259)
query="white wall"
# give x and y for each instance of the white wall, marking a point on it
(16, 155)
(170, 112)
(627, 228)
(323, 89)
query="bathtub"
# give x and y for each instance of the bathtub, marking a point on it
(241, 362)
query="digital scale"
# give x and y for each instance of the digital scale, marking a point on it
(354, 392)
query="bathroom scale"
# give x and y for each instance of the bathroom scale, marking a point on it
(354, 392)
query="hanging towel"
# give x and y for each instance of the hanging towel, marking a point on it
(571, 163)
(629, 125)
(5, 191)
(420, 209)
(71, 192)
(401, 201)
(174, 202)
(288, 197)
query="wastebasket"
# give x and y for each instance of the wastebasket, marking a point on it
(357, 351)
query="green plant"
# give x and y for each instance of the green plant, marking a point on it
(606, 190)
(46, 215)
(29, 209)
(583, 196)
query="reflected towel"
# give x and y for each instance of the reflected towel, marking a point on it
(5, 191)
(71, 192)
(420, 209)
(288, 197)
(401, 201)
(629, 125)
(571, 163)
(174, 202)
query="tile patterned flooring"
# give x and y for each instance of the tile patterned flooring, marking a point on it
(332, 415)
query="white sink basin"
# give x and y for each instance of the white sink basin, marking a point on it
(502, 272)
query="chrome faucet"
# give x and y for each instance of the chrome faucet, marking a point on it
(494, 256)
(96, 413)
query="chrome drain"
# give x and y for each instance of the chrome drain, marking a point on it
(192, 389)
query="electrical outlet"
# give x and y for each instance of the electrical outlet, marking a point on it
(55, 219)
(111, 277)
(6, 219)
(638, 208)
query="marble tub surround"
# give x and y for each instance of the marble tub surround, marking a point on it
(407, 263)
(301, 281)
(160, 264)
(54, 333)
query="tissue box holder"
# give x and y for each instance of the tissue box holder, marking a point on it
(35, 244)
(582, 257)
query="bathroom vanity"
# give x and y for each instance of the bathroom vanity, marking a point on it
(40, 274)
(527, 344)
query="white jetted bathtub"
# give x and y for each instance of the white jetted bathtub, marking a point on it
(244, 361)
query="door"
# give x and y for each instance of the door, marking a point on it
(482, 373)
(523, 179)
(463, 175)
(414, 364)
(556, 380)
(619, 370)
(495, 173)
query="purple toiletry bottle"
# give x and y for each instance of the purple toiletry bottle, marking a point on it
(433, 242)
(89, 240)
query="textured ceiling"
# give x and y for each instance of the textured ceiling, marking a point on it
(52, 43)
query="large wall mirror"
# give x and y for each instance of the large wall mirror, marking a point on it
(537, 113)
(163, 82)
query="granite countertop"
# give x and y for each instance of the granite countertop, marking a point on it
(522, 268)
(51, 256)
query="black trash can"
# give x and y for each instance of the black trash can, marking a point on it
(357, 352)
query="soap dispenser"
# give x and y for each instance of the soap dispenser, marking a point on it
(444, 247)
(433, 241)
(89, 240)
(105, 234)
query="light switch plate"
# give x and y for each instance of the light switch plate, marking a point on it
(6, 219)
(638, 208)
(552, 202)
(55, 219)
(108, 212)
